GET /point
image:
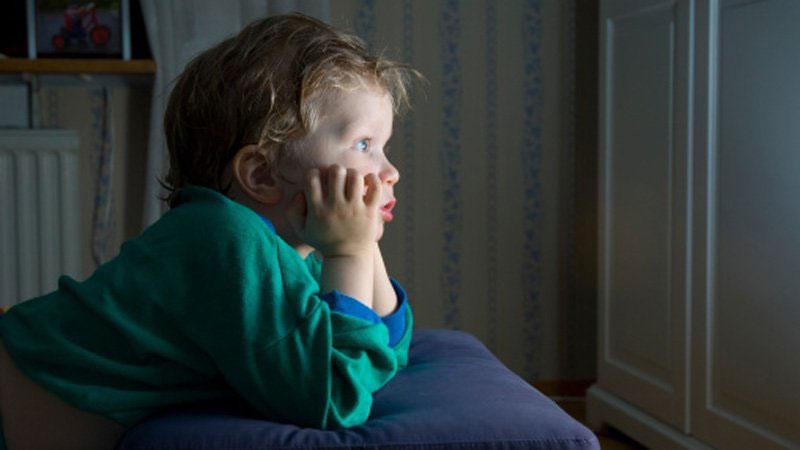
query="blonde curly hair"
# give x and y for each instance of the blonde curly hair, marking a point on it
(265, 86)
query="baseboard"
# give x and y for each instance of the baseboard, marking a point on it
(563, 388)
(605, 409)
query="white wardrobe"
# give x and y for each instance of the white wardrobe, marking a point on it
(699, 243)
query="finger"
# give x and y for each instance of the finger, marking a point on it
(337, 176)
(374, 190)
(354, 189)
(313, 187)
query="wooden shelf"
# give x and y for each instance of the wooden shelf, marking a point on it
(76, 65)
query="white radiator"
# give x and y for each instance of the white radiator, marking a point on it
(39, 212)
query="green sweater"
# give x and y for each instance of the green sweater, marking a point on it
(207, 303)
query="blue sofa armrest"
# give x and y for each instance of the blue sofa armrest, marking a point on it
(453, 394)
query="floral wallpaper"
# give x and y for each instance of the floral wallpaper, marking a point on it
(483, 238)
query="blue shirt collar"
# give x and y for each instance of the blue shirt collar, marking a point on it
(269, 224)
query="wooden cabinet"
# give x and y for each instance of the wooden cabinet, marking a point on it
(699, 315)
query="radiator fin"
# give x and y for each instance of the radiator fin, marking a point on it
(39, 212)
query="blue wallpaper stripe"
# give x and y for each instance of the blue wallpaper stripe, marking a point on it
(531, 178)
(101, 155)
(407, 153)
(450, 161)
(491, 172)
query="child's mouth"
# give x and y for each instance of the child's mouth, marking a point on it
(386, 211)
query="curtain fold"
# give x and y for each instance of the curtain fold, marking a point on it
(177, 31)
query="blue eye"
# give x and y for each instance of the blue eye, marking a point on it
(363, 145)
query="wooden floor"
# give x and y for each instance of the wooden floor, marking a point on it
(609, 439)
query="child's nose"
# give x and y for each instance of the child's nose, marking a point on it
(389, 174)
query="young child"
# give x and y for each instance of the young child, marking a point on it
(277, 142)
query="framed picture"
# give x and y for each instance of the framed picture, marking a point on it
(70, 28)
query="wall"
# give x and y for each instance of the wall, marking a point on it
(484, 238)
(583, 302)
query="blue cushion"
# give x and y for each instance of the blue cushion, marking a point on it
(453, 394)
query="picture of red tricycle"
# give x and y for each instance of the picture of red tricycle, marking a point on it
(80, 23)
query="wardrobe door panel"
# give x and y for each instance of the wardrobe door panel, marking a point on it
(643, 173)
(748, 290)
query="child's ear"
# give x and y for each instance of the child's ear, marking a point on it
(254, 177)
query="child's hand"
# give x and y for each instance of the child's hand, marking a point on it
(342, 215)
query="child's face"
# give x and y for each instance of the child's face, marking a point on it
(352, 131)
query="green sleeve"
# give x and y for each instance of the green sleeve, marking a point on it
(401, 347)
(259, 317)
(205, 301)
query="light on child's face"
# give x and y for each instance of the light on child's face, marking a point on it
(352, 132)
